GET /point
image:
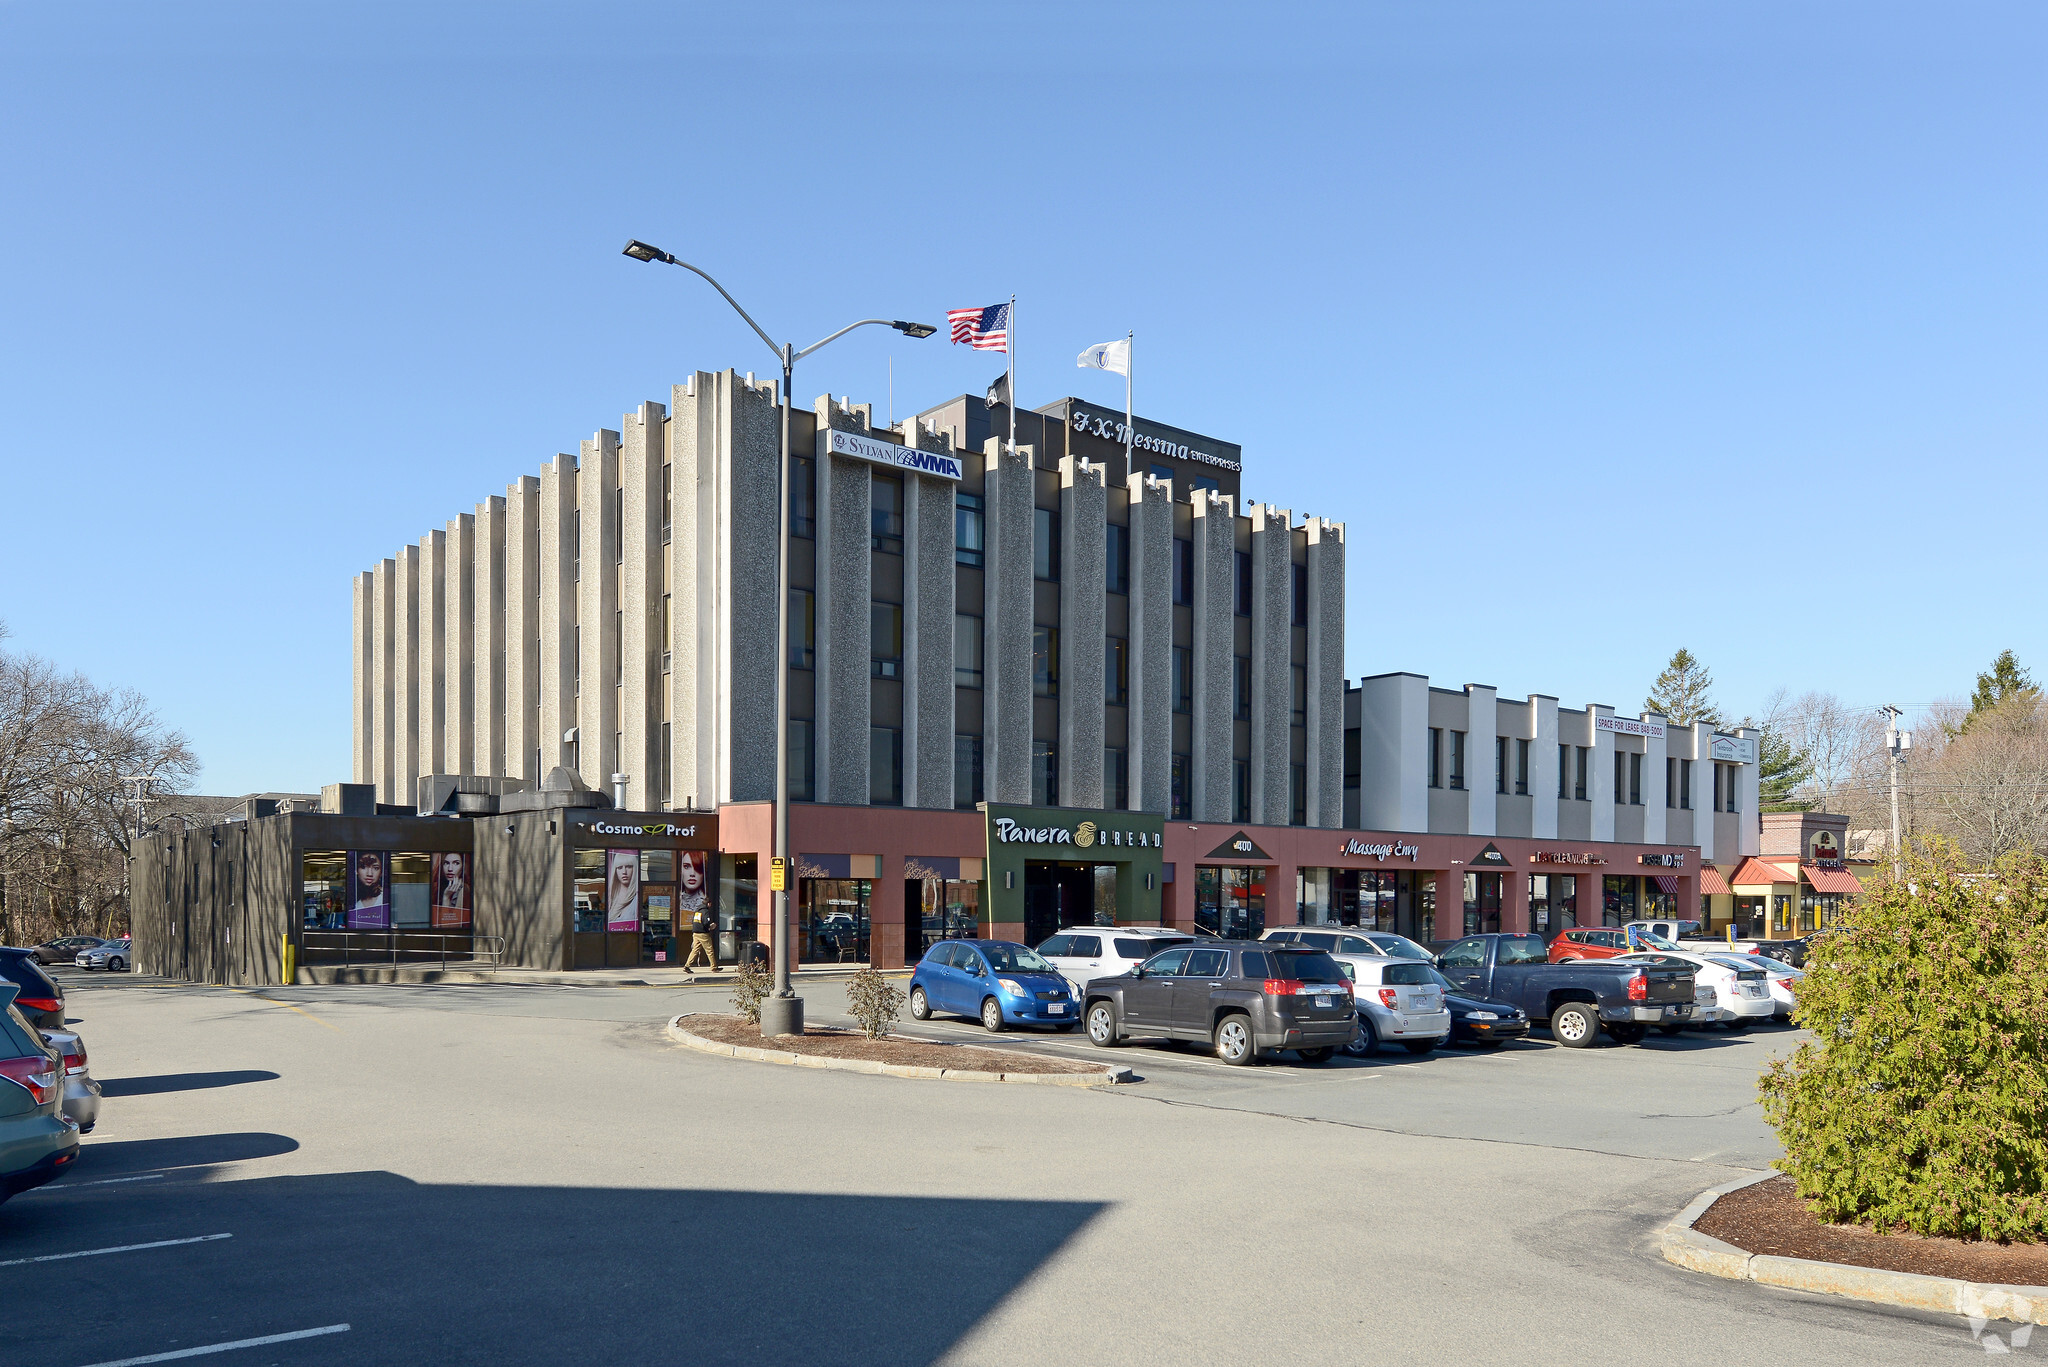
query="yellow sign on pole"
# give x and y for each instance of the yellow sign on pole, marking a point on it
(778, 875)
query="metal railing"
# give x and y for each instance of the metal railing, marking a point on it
(395, 947)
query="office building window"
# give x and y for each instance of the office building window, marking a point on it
(1244, 584)
(1457, 759)
(576, 549)
(1500, 765)
(1717, 787)
(885, 640)
(667, 503)
(1685, 785)
(662, 788)
(619, 524)
(1620, 779)
(1116, 669)
(966, 770)
(1045, 774)
(966, 650)
(968, 529)
(1436, 757)
(1579, 771)
(1729, 783)
(1183, 679)
(1564, 771)
(1045, 661)
(1300, 595)
(885, 766)
(1635, 780)
(1183, 571)
(667, 619)
(885, 513)
(1521, 768)
(803, 497)
(1297, 782)
(801, 768)
(576, 662)
(1117, 558)
(1045, 544)
(1300, 695)
(803, 629)
(619, 635)
(1116, 778)
(1670, 782)
(1241, 709)
(1240, 790)
(1178, 797)
(1163, 472)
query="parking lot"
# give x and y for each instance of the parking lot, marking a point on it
(537, 1174)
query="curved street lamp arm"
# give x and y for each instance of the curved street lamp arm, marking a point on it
(773, 346)
(885, 322)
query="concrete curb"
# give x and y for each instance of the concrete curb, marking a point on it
(1688, 1248)
(858, 1065)
(330, 975)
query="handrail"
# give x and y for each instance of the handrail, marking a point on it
(401, 945)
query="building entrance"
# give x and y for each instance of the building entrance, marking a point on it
(1059, 895)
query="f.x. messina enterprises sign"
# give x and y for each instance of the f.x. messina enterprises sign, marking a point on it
(834, 442)
(1110, 427)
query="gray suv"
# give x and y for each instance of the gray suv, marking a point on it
(1243, 998)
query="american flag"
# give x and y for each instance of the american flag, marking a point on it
(983, 329)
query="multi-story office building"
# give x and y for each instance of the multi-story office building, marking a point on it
(1026, 688)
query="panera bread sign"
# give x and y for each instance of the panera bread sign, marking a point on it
(1081, 835)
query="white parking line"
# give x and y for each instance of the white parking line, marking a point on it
(102, 1182)
(224, 1347)
(123, 1248)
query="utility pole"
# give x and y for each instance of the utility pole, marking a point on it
(1896, 743)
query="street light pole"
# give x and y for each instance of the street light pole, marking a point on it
(1897, 742)
(783, 1012)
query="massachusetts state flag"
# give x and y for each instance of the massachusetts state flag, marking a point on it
(983, 329)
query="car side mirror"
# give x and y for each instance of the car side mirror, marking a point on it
(1138, 972)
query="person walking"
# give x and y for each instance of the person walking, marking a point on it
(703, 922)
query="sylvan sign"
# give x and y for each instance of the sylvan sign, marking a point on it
(853, 444)
(1391, 850)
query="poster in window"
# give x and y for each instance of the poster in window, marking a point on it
(622, 890)
(451, 891)
(369, 890)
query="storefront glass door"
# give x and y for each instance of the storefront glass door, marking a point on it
(1617, 901)
(1482, 903)
(1231, 901)
(943, 909)
(833, 922)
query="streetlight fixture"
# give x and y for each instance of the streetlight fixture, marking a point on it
(782, 1013)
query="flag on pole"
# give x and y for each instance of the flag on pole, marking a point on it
(1114, 356)
(983, 329)
(999, 392)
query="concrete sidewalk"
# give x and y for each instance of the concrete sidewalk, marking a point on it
(646, 975)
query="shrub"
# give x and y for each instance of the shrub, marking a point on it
(751, 987)
(1921, 1102)
(873, 1001)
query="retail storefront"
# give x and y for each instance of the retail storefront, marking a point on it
(1799, 884)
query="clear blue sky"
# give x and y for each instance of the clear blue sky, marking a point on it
(1607, 328)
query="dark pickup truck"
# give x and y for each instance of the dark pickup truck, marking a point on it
(1578, 999)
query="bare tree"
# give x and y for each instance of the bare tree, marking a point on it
(1843, 744)
(1986, 787)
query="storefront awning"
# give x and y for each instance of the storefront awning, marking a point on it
(1831, 880)
(1712, 883)
(1666, 883)
(1755, 873)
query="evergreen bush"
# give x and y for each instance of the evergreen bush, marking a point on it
(1921, 1102)
(873, 1001)
(751, 985)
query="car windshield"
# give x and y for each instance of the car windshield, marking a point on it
(1400, 948)
(1408, 975)
(1522, 949)
(1005, 958)
(1306, 966)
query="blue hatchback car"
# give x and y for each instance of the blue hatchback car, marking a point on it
(996, 981)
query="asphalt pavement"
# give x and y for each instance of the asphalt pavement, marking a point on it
(535, 1174)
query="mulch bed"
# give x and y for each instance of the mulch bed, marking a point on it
(1769, 1217)
(891, 1049)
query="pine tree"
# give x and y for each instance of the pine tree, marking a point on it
(1780, 770)
(1682, 692)
(2005, 679)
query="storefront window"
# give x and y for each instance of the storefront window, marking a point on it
(833, 920)
(590, 905)
(1564, 894)
(454, 900)
(738, 900)
(324, 888)
(1315, 897)
(1781, 912)
(1425, 909)
(1658, 905)
(1618, 901)
(1539, 903)
(1817, 910)
(950, 909)
(1482, 903)
(1230, 901)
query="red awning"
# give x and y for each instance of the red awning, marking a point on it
(1711, 882)
(1667, 882)
(1755, 873)
(1831, 880)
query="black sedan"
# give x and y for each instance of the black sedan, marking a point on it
(1475, 1020)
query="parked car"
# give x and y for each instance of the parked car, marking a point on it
(1674, 930)
(66, 950)
(1598, 942)
(1399, 1000)
(37, 1141)
(40, 999)
(112, 955)
(1481, 1020)
(1782, 977)
(1244, 998)
(81, 1093)
(1085, 953)
(1579, 1000)
(1741, 994)
(995, 981)
(1329, 939)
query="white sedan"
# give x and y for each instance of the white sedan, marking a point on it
(1783, 978)
(1741, 994)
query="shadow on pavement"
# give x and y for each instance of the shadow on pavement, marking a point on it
(504, 1274)
(120, 1157)
(181, 1082)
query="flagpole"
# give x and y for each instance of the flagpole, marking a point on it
(1012, 349)
(1130, 345)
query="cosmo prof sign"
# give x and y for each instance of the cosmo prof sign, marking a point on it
(854, 445)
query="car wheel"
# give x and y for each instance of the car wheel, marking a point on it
(1102, 1025)
(992, 1015)
(1669, 1029)
(1365, 1041)
(1418, 1046)
(1739, 1023)
(1628, 1032)
(1234, 1042)
(116, 965)
(1569, 959)
(1319, 1055)
(920, 1005)
(1575, 1025)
